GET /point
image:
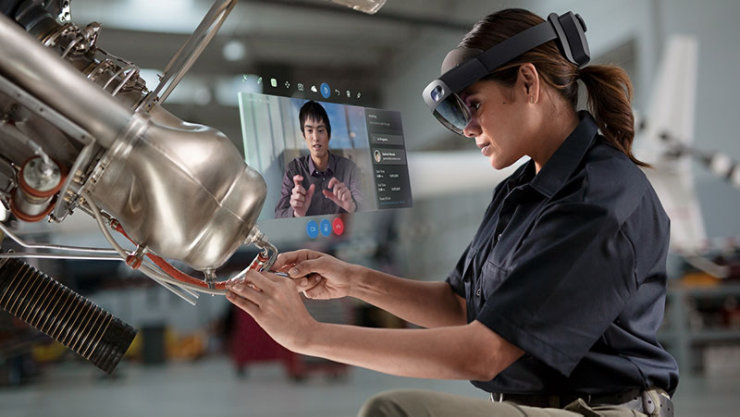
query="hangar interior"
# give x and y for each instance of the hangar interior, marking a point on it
(190, 360)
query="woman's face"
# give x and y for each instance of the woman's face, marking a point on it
(501, 121)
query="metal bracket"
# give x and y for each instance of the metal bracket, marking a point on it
(188, 53)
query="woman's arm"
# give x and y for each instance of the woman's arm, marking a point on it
(468, 351)
(427, 304)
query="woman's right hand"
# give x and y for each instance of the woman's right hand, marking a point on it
(316, 274)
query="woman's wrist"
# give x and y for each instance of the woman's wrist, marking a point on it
(360, 280)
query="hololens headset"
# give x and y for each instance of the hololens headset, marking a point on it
(470, 65)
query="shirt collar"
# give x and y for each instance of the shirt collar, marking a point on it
(331, 167)
(566, 158)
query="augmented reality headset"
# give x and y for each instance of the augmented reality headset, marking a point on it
(470, 65)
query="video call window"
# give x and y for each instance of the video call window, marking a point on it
(353, 162)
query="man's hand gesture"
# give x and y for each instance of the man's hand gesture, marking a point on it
(340, 195)
(300, 199)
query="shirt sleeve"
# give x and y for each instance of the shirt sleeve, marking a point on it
(571, 278)
(455, 278)
(283, 208)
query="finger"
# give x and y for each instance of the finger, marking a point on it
(297, 180)
(333, 182)
(244, 304)
(310, 192)
(287, 259)
(243, 288)
(307, 267)
(306, 283)
(341, 194)
(298, 190)
(328, 194)
(262, 280)
(332, 196)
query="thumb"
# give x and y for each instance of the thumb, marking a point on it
(309, 192)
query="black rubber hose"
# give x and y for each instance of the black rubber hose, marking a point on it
(64, 315)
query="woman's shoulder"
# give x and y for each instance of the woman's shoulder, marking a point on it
(613, 181)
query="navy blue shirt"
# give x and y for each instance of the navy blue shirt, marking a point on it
(569, 265)
(341, 168)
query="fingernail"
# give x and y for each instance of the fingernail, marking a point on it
(293, 271)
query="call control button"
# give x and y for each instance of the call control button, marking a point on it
(326, 227)
(338, 226)
(312, 229)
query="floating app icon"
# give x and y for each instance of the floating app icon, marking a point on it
(287, 84)
(312, 229)
(314, 89)
(325, 226)
(349, 94)
(359, 94)
(337, 226)
(259, 80)
(325, 90)
(273, 82)
(244, 77)
(337, 92)
(300, 87)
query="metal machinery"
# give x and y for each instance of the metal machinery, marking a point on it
(80, 130)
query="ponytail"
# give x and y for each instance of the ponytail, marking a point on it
(609, 94)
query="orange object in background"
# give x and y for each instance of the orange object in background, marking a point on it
(699, 279)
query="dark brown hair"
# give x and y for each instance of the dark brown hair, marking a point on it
(609, 87)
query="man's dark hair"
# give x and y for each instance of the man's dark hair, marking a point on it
(314, 111)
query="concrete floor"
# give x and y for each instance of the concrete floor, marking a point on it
(210, 387)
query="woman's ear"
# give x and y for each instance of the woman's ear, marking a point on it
(528, 82)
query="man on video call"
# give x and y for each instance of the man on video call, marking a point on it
(321, 182)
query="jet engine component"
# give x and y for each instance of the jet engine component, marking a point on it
(80, 130)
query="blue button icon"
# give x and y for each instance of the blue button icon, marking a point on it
(312, 229)
(325, 227)
(325, 90)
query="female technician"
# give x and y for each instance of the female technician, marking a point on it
(554, 306)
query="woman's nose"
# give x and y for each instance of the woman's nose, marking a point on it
(471, 129)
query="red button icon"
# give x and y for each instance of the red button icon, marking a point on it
(338, 226)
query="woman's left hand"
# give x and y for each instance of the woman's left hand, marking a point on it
(275, 304)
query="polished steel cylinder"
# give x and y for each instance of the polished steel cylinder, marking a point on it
(183, 190)
(38, 181)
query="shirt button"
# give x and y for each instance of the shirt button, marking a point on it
(477, 292)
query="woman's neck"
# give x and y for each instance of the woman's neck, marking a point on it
(553, 133)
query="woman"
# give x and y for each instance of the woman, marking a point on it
(554, 306)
